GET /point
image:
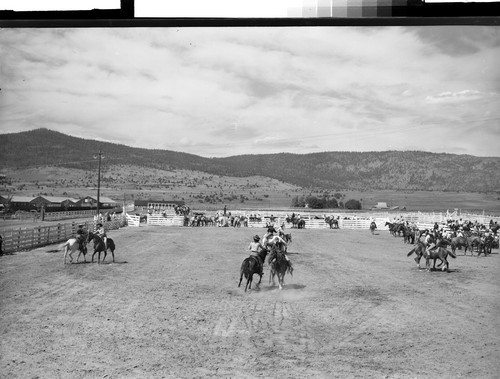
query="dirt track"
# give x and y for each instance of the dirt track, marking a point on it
(356, 306)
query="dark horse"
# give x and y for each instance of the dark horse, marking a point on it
(458, 242)
(486, 245)
(409, 235)
(392, 227)
(440, 253)
(250, 266)
(373, 226)
(287, 237)
(99, 247)
(419, 251)
(279, 265)
(332, 221)
(296, 222)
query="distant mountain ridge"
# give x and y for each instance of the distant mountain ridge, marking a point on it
(396, 170)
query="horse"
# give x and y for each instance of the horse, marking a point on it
(279, 266)
(486, 245)
(250, 266)
(419, 251)
(439, 253)
(392, 227)
(421, 247)
(458, 242)
(71, 246)
(287, 237)
(409, 235)
(332, 221)
(398, 229)
(373, 226)
(99, 247)
(301, 224)
(474, 241)
(292, 220)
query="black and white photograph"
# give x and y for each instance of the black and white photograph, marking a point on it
(250, 202)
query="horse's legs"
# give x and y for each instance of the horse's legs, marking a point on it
(65, 253)
(260, 280)
(271, 277)
(78, 257)
(445, 265)
(113, 253)
(249, 282)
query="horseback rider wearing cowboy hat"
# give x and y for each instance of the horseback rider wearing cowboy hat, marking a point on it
(101, 232)
(80, 232)
(256, 247)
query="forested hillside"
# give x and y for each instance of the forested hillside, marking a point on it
(409, 170)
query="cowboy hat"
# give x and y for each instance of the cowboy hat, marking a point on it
(256, 238)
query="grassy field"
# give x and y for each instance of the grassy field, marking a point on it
(204, 191)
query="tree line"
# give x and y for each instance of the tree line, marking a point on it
(323, 202)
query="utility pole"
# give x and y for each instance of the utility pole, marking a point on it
(99, 157)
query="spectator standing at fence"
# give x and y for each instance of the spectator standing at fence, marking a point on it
(1, 243)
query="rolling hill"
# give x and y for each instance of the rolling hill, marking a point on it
(389, 170)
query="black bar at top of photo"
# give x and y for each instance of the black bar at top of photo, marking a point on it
(390, 12)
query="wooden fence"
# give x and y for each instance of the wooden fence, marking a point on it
(30, 238)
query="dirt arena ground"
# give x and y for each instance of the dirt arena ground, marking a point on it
(356, 307)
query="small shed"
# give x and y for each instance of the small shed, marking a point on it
(381, 205)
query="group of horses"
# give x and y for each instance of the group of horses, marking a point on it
(483, 243)
(221, 221)
(279, 265)
(296, 221)
(73, 245)
(332, 221)
(471, 241)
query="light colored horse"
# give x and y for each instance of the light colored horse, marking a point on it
(72, 246)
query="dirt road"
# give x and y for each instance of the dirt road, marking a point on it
(356, 307)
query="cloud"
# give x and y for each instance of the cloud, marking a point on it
(214, 91)
(464, 95)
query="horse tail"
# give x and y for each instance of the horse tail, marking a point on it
(411, 252)
(63, 245)
(246, 267)
(452, 254)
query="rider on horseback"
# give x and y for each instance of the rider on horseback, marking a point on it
(80, 236)
(101, 232)
(276, 240)
(430, 243)
(256, 247)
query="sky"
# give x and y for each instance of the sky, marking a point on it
(217, 92)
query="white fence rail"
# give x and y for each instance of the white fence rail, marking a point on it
(133, 220)
(165, 220)
(315, 220)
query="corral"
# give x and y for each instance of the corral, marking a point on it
(170, 307)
